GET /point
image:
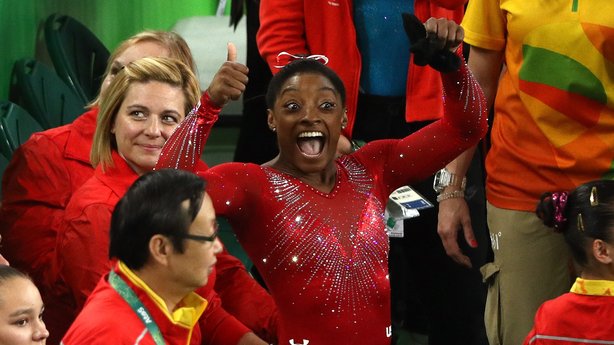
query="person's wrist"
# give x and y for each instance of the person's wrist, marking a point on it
(454, 194)
(206, 110)
(207, 100)
(452, 188)
(457, 181)
(445, 178)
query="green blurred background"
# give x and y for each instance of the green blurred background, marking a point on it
(21, 23)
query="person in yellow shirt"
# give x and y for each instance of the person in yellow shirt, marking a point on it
(547, 68)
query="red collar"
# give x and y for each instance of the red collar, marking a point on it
(119, 177)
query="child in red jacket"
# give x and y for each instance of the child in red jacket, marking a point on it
(586, 218)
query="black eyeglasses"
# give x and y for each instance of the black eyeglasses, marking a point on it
(202, 238)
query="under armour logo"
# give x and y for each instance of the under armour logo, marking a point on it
(389, 331)
(305, 342)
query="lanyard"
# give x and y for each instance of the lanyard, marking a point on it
(130, 297)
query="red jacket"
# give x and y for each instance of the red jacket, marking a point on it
(573, 319)
(82, 253)
(108, 319)
(327, 27)
(83, 240)
(43, 175)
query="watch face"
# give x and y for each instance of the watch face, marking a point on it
(442, 180)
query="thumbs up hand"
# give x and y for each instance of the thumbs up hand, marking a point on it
(230, 80)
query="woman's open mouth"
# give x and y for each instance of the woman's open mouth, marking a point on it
(311, 143)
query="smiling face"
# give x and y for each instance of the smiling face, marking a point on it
(21, 311)
(307, 115)
(145, 120)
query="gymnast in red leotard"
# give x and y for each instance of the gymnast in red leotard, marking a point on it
(313, 223)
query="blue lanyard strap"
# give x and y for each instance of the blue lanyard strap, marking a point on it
(130, 297)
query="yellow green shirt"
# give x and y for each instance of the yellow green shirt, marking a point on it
(554, 111)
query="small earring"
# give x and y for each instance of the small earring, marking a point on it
(274, 129)
(343, 126)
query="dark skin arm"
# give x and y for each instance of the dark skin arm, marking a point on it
(454, 213)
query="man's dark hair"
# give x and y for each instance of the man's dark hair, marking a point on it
(302, 66)
(153, 205)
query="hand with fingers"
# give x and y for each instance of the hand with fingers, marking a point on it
(454, 216)
(444, 33)
(435, 42)
(230, 80)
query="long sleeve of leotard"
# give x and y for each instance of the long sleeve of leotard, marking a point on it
(185, 146)
(420, 154)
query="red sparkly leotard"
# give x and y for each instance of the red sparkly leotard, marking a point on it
(324, 255)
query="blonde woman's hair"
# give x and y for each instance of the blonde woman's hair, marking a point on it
(165, 70)
(173, 42)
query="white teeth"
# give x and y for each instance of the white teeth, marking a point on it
(311, 135)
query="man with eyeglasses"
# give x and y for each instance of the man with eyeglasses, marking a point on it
(164, 237)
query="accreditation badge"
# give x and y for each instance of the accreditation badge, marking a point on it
(403, 203)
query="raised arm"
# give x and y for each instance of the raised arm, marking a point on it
(454, 212)
(464, 123)
(419, 155)
(185, 146)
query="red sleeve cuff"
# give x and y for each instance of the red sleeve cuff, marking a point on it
(208, 112)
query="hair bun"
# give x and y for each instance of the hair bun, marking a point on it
(551, 209)
(545, 209)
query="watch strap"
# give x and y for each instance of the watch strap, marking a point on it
(451, 195)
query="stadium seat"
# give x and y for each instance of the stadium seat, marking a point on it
(39, 90)
(16, 126)
(78, 56)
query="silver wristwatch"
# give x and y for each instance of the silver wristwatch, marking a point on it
(444, 178)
